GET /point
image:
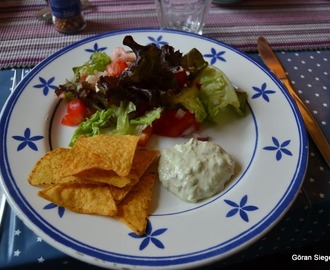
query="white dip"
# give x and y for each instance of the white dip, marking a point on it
(195, 170)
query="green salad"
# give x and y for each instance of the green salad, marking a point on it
(147, 90)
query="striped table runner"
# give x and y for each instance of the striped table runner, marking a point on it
(288, 25)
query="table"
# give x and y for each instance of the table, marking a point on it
(308, 220)
(288, 24)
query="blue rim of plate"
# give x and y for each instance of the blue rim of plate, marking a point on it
(220, 251)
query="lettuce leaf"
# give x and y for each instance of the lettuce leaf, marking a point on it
(134, 126)
(216, 92)
(122, 114)
(116, 120)
(97, 62)
(242, 97)
(93, 125)
(189, 98)
(193, 62)
(147, 118)
(210, 94)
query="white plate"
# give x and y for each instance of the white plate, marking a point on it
(269, 144)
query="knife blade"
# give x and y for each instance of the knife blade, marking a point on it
(273, 63)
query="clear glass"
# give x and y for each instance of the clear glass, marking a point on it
(187, 15)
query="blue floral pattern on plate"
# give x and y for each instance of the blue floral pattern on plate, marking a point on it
(262, 92)
(215, 56)
(27, 140)
(279, 148)
(60, 209)
(150, 237)
(96, 48)
(46, 85)
(240, 208)
(159, 42)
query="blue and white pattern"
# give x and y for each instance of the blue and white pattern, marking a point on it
(46, 85)
(240, 208)
(279, 148)
(237, 204)
(262, 92)
(151, 236)
(96, 48)
(27, 140)
(51, 206)
(159, 42)
(215, 56)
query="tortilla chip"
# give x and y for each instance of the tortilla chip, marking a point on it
(142, 160)
(83, 198)
(120, 193)
(47, 169)
(133, 210)
(102, 175)
(79, 159)
(107, 177)
(117, 151)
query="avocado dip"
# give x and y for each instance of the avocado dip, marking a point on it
(195, 170)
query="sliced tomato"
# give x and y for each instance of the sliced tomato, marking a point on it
(174, 123)
(181, 78)
(116, 67)
(145, 136)
(75, 114)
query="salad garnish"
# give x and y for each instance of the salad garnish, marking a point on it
(147, 90)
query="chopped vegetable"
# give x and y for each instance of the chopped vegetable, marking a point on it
(76, 113)
(98, 62)
(181, 78)
(189, 99)
(145, 91)
(116, 67)
(175, 123)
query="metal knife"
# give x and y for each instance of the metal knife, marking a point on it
(314, 130)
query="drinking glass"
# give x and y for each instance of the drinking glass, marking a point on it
(187, 15)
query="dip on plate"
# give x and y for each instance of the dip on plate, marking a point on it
(195, 170)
